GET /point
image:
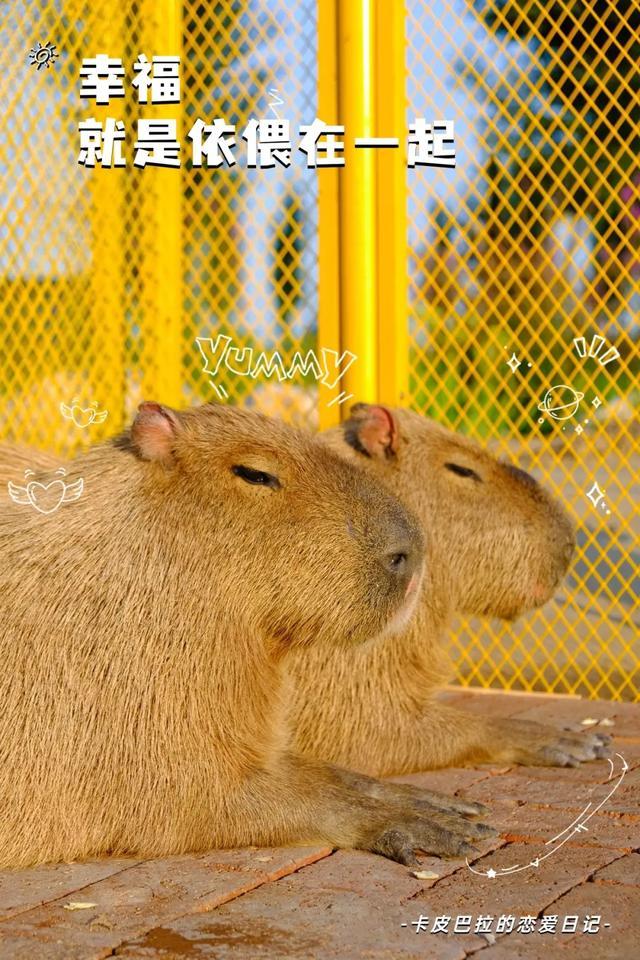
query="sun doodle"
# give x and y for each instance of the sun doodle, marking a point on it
(43, 55)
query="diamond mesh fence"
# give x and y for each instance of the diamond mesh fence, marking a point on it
(530, 249)
(523, 279)
(107, 276)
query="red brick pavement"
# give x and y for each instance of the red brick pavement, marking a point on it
(312, 903)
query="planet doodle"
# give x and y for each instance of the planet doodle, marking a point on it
(561, 402)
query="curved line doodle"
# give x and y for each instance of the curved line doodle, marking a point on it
(577, 826)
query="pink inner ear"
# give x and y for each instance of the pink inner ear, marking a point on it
(378, 432)
(153, 431)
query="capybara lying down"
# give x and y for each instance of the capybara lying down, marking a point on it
(497, 544)
(143, 631)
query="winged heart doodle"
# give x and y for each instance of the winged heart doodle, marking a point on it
(83, 416)
(46, 496)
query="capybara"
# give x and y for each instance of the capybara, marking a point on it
(497, 545)
(143, 631)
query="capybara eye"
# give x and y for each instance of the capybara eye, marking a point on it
(256, 477)
(463, 471)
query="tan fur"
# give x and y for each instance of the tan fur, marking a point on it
(495, 547)
(142, 633)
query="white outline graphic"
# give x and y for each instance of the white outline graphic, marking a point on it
(78, 414)
(276, 101)
(29, 495)
(43, 54)
(513, 363)
(554, 411)
(577, 826)
(342, 397)
(596, 495)
(241, 361)
(220, 390)
(596, 345)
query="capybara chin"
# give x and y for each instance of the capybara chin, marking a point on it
(143, 628)
(497, 544)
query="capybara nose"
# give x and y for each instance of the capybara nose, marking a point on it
(401, 559)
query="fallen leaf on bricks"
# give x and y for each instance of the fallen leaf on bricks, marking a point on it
(78, 905)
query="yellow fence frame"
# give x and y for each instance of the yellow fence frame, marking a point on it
(363, 236)
(166, 285)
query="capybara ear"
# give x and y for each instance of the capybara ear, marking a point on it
(153, 431)
(372, 430)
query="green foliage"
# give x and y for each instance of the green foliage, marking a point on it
(461, 375)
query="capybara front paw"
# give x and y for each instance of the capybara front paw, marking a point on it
(401, 841)
(455, 823)
(536, 745)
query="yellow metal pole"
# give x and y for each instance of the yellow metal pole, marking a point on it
(392, 271)
(328, 203)
(167, 249)
(357, 203)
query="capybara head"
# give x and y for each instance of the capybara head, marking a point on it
(497, 542)
(304, 543)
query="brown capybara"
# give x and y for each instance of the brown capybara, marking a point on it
(497, 544)
(143, 626)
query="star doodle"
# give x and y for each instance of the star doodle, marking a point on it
(513, 363)
(595, 494)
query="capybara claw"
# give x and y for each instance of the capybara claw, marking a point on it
(401, 841)
(536, 745)
(468, 850)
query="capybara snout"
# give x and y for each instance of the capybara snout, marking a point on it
(391, 536)
(401, 559)
(372, 550)
(401, 545)
(560, 532)
(547, 523)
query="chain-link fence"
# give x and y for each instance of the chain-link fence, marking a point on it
(107, 276)
(518, 258)
(532, 249)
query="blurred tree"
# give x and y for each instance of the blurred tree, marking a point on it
(562, 128)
